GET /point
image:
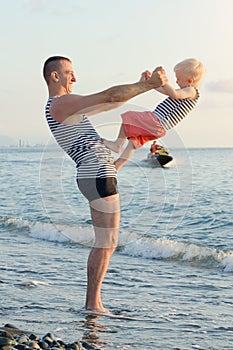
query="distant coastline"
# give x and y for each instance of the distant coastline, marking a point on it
(8, 142)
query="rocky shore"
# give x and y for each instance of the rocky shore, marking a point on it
(12, 338)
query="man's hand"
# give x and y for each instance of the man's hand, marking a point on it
(145, 75)
(158, 77)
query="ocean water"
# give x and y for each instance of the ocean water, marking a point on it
(171, 278)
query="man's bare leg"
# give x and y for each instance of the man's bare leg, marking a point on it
(125, 156)
(106, 220)
(98, 263)
(116, 145)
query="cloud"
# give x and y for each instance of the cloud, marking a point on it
(224, 86)
(53, 7)
(35, 5)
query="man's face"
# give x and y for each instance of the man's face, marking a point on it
(66, 76)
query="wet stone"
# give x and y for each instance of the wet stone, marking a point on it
(48, 340)
(6, 334)
(9, 325)
(88, 346)
(23, 338)
(12, 338)
(55, 344)
(21, 346)
(34, 337)
(4, 341)
(7, 347)
(75, 346)
(34, 345)
(62, 343)
(43, 345)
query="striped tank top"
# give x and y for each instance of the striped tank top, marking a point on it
(171, 111)
(83, 144)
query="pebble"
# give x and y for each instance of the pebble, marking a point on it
(12, 338)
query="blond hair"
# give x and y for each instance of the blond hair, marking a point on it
(192, 68)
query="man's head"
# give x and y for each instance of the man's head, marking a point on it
(58, 70)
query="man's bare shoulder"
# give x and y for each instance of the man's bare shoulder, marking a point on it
(59, 108)
(67, 98)
(67, 105)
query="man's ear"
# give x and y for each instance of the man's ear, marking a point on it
(190, 80)
(55, 77)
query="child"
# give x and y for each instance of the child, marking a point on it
(141, 127)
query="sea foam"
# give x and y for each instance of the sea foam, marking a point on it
(129, 243)
(162, 248)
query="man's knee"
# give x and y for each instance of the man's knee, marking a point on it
(106, 238)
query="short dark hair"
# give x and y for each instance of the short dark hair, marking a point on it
(52, 64)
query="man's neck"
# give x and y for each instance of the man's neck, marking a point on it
(56, 91)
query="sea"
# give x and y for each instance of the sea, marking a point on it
(170, 281)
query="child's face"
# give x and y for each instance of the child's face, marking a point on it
(181, 79)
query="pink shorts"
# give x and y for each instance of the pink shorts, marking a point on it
(142, 127)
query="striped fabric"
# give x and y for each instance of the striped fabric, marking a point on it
(83, 144)
(171, 111)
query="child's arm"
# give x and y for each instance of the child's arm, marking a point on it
(167, 89)
(179, 94)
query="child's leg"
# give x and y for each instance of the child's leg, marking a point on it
(125, 156)
(115, 146)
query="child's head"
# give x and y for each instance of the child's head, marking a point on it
(191, 68)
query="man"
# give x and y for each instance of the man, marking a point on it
(67, 114)
(154, 148)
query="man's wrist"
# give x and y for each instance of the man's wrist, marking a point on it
(147, 85)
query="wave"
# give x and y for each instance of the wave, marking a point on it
(32, 284)
(129, 243)
(52, 232)
(163, 248)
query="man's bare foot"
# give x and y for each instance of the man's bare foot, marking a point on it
(112, 145)
(97, 312)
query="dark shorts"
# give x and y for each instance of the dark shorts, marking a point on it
(97, 188)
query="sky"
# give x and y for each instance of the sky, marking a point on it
(111, 43)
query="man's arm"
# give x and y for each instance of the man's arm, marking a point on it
(67, 105)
